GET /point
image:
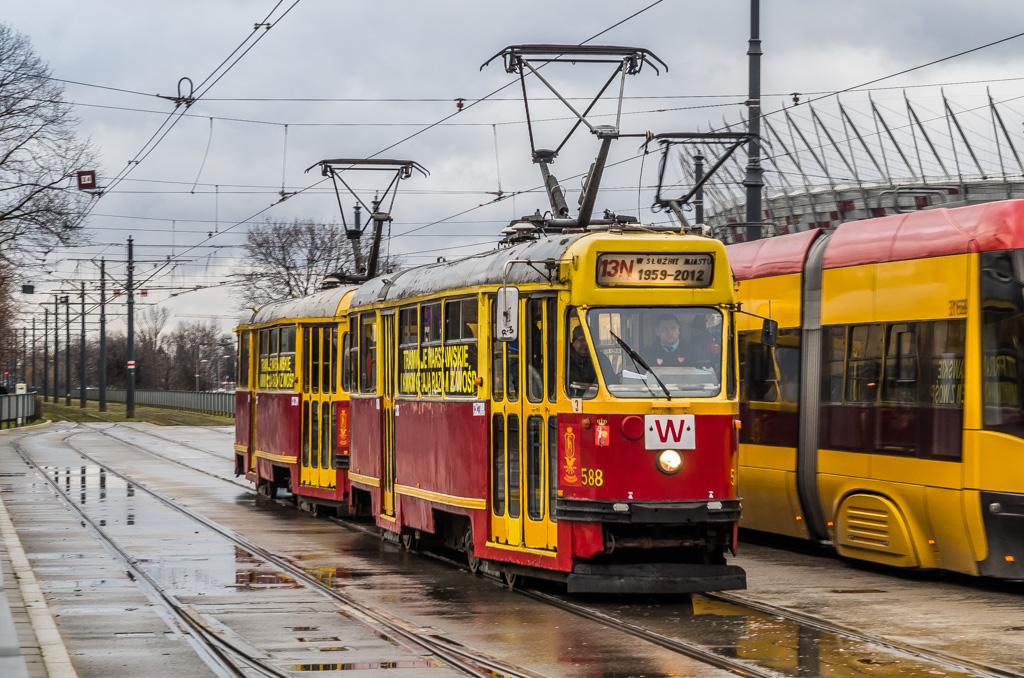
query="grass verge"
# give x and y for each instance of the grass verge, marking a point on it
(115, 413)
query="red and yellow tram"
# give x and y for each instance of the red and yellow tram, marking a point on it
(889, 418)
(513, 405)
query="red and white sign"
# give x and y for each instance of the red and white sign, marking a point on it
(131, 364)
(670, 432)
(87, 180)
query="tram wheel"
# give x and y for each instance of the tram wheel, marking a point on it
(267, 489)
(409, 541)
(512, 579)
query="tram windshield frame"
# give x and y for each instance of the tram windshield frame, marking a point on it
(685, 362)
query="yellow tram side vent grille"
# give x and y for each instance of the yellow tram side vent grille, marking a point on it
(867, 527)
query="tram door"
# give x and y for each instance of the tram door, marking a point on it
(522, 408)
(387, 404)
(319, 389)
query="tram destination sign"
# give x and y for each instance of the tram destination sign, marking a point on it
(655, 270)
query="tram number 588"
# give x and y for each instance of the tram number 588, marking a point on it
(592, 477)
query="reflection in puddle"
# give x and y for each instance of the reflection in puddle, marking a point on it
(250, 579)
(363, 666)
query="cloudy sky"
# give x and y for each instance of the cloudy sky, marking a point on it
(356, 79)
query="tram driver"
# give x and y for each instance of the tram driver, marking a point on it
(675, 347)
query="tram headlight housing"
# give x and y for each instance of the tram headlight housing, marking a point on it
(670, 461)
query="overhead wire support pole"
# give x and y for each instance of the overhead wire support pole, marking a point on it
(56, 348)
(129, 400)
(753, 181)
(103, 337)
(67, 349)
(81, 356)
(46, 354)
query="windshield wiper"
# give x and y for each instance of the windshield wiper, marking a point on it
(635, 357)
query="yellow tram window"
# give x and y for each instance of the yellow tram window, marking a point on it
(552, 465)
(432, 353)
(534, 470)
(346, 362)
(367, 353)
(305, 436)
(497, 359)
(512, 447)
(306, 358)
(334, 359)
(460, 352)
(498, 464)
(408, 351)
(535, 350)
(314, 435)
(314, 352)
(326, 453)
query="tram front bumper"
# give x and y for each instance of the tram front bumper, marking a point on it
(659, 578)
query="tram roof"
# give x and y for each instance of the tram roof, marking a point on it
(900, 237)
(317, 305)
(929, 233)
(771, 256)
(479, 269)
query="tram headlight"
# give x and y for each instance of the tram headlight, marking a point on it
(670, 461)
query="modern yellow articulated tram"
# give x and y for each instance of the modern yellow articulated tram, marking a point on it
(889, 418)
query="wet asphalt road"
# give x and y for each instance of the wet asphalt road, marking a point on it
(112, 629)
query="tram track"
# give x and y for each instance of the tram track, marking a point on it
(938, 656)
(460, 658)
(947, 661)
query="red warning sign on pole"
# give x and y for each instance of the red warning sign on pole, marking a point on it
(87, 180)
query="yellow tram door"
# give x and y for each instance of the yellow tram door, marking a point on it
(387, 404)
(537, 336)
(520, 411)
(319, 386)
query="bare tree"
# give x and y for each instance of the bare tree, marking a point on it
(291, 259)
(193, 346)
(39, 156)
(154, 367)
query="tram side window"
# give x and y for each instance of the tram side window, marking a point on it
(1002, 316)
(306, 357)
(864, 367)
(334, 359)
(497, 359)
(834, 353)
(432, 352)
(352, 355)
(534, 470)
(326, 361)
(552, 349)
(498, 464)
(408, 351)
(760, 379)
(535, 350)
(286, 358)
(314, 354)
(580, 375)
(900, 384)
(367, 353)
(243, 359)
(346, 362)
(460, 352)
(552, 465)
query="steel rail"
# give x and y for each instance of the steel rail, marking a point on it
(396, 626)
(215, 651)
(938, 656)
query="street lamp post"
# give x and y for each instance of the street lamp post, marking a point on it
(198, 363)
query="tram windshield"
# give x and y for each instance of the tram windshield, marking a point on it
(658, 352)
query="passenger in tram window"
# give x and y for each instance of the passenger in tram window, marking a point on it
(581, 368)
(582, 375)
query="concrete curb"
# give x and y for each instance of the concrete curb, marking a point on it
(55, 654)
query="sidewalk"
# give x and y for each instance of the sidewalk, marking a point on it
(20, 656)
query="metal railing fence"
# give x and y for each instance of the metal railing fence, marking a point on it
(16, 409)
(218, 402)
